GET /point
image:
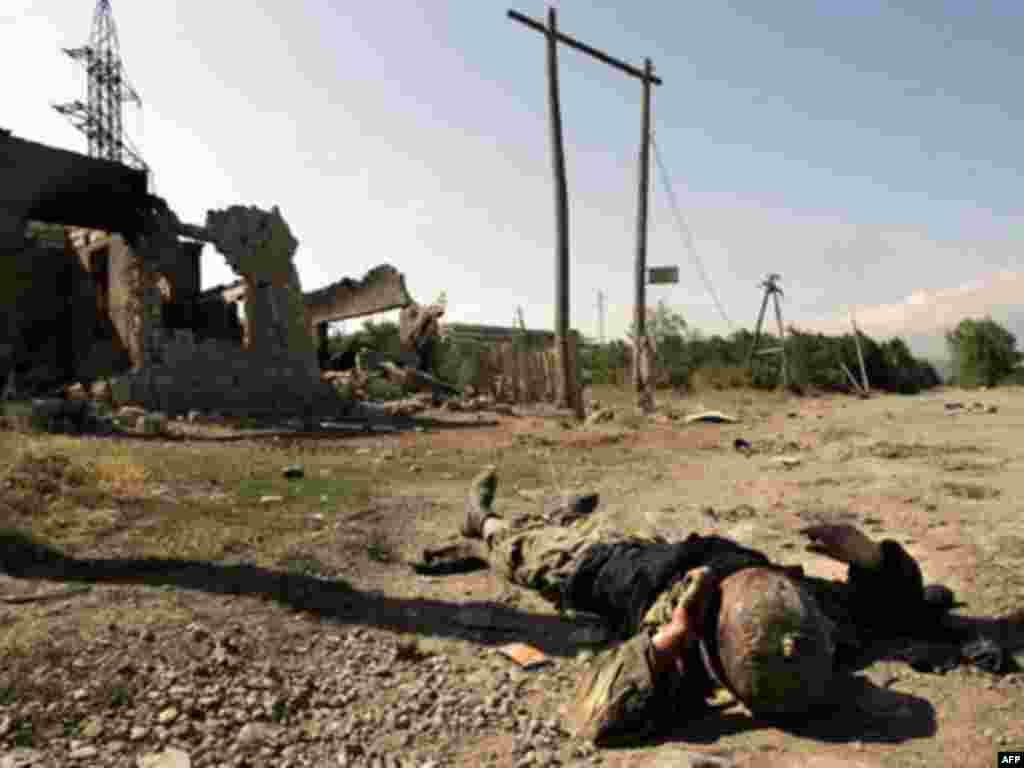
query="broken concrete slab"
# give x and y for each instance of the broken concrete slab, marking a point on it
(381, 289)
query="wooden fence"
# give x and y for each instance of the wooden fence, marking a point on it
(515, 372)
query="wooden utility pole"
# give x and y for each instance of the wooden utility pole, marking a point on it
(865, 385)
(642, 363)
(566, 395)
(771, 291)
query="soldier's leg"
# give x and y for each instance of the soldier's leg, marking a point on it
(537, 556)
(527, 551)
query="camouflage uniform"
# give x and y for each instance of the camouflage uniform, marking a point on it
(635, 583)
(542, 556)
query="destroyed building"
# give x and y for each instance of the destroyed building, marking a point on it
(99, 281)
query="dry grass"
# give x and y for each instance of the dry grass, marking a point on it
(121, 476)
(155, 499)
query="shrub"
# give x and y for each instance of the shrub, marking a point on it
(720, 377)
(983, 352)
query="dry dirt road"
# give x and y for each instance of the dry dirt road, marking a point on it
(298, 635)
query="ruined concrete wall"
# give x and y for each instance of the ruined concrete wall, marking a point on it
(34, 314)
(134, 300)
(49, 318)
(381, 289)
(182, 271)
(259, 246)
(216, 318)
(218, 375)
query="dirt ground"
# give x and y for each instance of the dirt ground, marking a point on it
(189, 575)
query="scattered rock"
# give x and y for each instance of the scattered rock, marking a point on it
(92, 728)
(294, 472)
(169, 758)
(21, 757)
(168, 715)
(257, 734)
(83, 753)
(271, 499)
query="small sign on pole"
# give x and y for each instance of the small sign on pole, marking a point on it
(661, 275)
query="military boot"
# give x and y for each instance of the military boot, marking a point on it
(479, 505)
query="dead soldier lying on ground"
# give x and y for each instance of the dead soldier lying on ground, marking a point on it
(706, 613)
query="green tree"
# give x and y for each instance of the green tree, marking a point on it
(669, 331)
(662, 323)
(983, 352)
(602, 359)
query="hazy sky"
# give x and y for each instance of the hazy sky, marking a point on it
(867, 151)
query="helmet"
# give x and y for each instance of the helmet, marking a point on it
(772, 646)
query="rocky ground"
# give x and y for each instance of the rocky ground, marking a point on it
(293, 632)
(342, 697)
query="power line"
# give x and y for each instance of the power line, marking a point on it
(687, 236)
(101, 117)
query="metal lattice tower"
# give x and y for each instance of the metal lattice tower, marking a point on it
(101, 119)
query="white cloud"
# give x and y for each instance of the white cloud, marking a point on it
(930, 312)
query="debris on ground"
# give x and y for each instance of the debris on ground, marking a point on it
(743, 447)
(526, 656)
(732, 515)
(462, 556)
(600, 416)
(711, 417)
(975, 407)
(787, 462)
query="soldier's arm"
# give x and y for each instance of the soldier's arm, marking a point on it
(629, 693)
(634, 689)
(885, 582)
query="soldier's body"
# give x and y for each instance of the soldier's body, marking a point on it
(707, 612)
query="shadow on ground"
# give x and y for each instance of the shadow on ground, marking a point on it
(487, 623)
(342, 430)
(864, 713)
